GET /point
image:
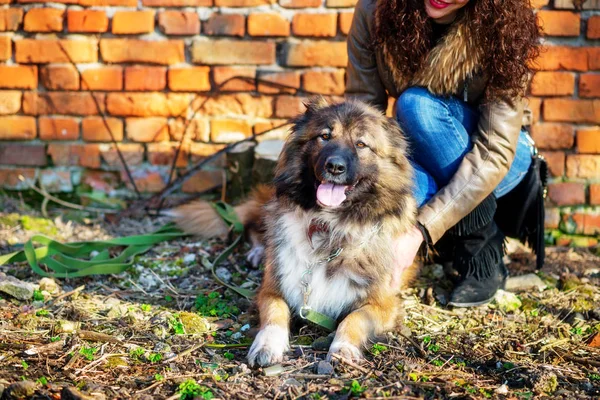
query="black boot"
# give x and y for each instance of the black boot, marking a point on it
(478, 252)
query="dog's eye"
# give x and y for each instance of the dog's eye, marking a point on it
(326, 136)
(361, 144)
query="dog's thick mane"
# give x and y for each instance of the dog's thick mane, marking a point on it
(389, 194)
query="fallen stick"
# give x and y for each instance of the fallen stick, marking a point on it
(351, 363)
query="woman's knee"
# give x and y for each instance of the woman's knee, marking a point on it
(416, 108)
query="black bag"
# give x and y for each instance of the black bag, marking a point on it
(521, 213)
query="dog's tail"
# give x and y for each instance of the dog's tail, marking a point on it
(201, 219)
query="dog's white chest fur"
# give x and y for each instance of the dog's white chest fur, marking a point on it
(330, 296)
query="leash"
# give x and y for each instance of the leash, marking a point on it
(76, 260)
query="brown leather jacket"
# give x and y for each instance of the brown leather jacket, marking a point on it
(450, 67)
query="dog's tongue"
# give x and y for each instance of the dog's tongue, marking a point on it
(330, 194)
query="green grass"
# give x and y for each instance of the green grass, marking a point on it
(190, 389)
(213, 305)
(377, 349)
(176, 324)
(88, 352)
(154, 357)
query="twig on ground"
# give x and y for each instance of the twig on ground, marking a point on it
(351, 364)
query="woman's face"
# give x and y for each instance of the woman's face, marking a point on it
(444, 11)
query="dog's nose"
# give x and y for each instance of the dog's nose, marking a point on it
(335, 165)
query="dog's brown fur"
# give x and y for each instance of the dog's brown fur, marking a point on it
(358, 287)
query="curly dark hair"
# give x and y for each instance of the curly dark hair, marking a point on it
(507, 30)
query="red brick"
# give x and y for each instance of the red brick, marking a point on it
(223, 78)
(552, 136)
(18, 77)
(202, 181)
(566, 193)
(594, 58)
(10, 19)
(556, 162)
(268, 25)
(589, 85)
(9, 178)
(559, 23)
(588, 140)
(147, 179)
(316, 53)
(58, 128)
(133, 22)
(535, 105)
(87, 21)
(299, 3)
(553, 84)
(42, 51)
(241, 104)
(195, 79)
(242, 3)
(224, 131)
(552, 218)
(17, 128)
(84, 155)
(595, 194)
(585, 166)
(324, 82)
(140, 78)
(195, 129)
(60, 77)
(570, 110)
(104, 3)
(5, 48)
(164, 154)
(318, 25)
(561, 57)
(147, 104)
(132, 153)
(290, 79)
(225, 25)
(177, 3)
(23, 154)
(340, 3)
(10, 102)
(593, 27)
(104, 78)
(345, 22)
(62, 103)
(44, 20)
(142, 51)
(288, 106)
(95, 129)
(223, 52)
(154, 129)
(179, 23)
(586, 223)
(200, 151)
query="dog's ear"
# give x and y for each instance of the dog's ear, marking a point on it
(398, 142)
(315, 103)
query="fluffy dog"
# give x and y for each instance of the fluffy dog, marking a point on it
(342, 192)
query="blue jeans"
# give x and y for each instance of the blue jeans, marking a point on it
(439, 133)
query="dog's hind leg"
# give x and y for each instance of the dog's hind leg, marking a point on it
(370, 320)
(272, 340)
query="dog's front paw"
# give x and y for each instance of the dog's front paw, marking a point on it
(268, 346)
(345, 350)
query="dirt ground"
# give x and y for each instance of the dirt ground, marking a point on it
(164, 329)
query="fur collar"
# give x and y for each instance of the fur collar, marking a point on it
(455, 59)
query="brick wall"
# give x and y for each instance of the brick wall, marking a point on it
(151, 65)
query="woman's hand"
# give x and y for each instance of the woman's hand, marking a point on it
(405, 248)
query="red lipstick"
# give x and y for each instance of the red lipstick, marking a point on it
(438, 4)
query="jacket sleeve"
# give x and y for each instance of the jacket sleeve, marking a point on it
(362, 76)
(481, 170)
